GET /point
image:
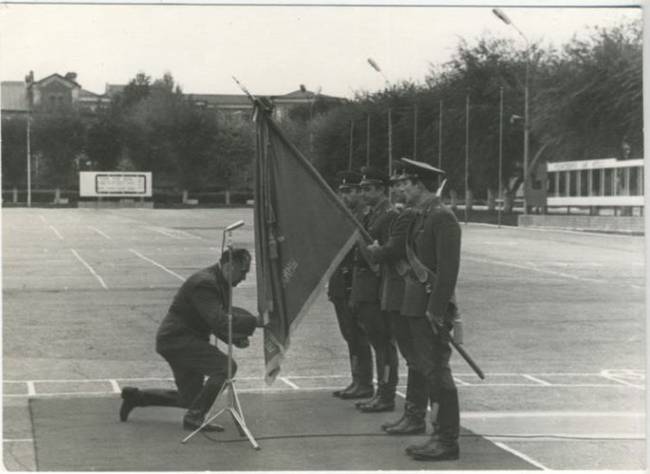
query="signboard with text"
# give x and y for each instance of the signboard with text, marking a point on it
(115, 184)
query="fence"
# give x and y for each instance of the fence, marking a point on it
(160, 198)
(596, 184)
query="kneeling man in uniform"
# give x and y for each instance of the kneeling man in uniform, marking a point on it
(199, 309)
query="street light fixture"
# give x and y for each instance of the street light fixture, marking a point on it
(376, 67)
(504, 18)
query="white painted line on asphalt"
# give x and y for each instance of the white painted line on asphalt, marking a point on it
(561, 436)
(31, 389)
(535, 379)
(623, 382)
(90, 269)
(59, 394)
(42, 218)
(161, 231)
(175, 234)
(289, 383)
(100, 232)
(520, 455)
(557, 229)
(56, 232)
(18, 440)
(171, 272)
(460, 382)
(545, 414)
(115, 385)
(535, 269)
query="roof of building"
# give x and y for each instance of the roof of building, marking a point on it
(58, 76)
(112, 89)
(85, 96)
(13, 96)
(222, 100)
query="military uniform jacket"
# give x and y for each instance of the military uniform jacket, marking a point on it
(435, 238)
(340, 283)
(199, 309)
(392, 253)
(366, 284)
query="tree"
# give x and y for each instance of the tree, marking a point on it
(14, 152)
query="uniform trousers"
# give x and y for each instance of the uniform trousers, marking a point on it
(356, 339)
(416, 385)
(376, 324)
(433, 353)
(191, 362)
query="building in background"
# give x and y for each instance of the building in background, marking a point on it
(58, 93)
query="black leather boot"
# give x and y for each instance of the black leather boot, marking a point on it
(357, 391)
(412, 422)
(437, 450)
(416, 447)
(193, 419)
(338, 393)
(130, 400)
(383, 401)
(390, 424)
(444, 446)
(372, 399)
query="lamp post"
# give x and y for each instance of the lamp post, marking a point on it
(504, 18)
(29, 79)
(375, 66)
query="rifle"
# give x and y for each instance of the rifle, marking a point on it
(427, 276)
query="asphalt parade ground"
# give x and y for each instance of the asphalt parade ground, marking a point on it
(555, 319)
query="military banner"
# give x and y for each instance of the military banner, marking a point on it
(302, 232)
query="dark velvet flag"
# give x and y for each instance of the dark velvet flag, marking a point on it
(302, 232)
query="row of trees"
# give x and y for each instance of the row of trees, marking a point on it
(150, 126)
(585, 103)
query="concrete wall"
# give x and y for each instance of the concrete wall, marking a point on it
(115, 204)
(619, 224)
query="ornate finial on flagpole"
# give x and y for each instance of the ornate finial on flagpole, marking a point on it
(257, 103)
(442, 186)
(243, 88)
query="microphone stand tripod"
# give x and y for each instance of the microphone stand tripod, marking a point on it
(233, 406)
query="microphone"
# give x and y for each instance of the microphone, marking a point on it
(234, 226)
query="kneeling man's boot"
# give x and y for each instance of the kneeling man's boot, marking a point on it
(193, 420)
(131, 398)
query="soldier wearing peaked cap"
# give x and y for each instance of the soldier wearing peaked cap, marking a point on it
(366, 293)
(338, 291)
(433, 241)
(392, 257)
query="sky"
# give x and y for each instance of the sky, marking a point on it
(272, 50)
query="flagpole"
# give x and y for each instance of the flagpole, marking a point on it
(390, 147)
(440, 142)
(466, 156)
(351, 144)
(368, 140)
(415, 132)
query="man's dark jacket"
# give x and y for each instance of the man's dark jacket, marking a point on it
(200, 308)
(435, 238)
(366, 284)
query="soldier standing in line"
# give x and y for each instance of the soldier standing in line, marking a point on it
(432, 243)
(366, 293)
(392, 257)
(338, 291)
